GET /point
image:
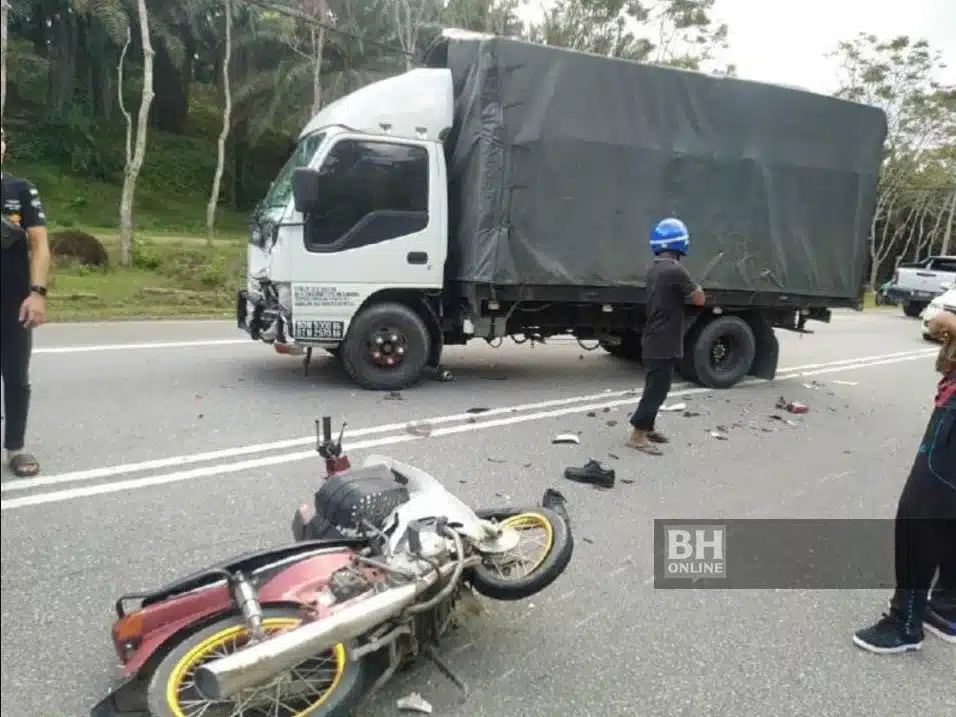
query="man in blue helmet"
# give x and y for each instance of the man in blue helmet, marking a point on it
(669, 288)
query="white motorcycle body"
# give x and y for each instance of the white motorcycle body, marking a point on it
(428, 498)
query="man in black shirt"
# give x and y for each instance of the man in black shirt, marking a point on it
(669, 288)
(23, 275)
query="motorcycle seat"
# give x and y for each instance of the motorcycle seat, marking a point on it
(348, 503)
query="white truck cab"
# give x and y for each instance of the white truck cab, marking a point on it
(360, 208)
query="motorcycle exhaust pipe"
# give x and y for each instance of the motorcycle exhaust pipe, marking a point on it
(259, 664)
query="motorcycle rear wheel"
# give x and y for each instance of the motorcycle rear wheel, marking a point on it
(341, 682)
(495, 580)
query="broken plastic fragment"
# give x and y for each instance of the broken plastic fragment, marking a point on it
(719, 435)
(566, 438)
(414, 703)
(419, 428)
(674, 407)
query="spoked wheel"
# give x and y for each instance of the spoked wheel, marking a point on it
(327, 685)
(543, 552)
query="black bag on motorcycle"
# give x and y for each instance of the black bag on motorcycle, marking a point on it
(356, 503)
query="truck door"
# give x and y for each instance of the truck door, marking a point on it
(938, 271)
(382, 218)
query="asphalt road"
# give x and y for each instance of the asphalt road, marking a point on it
(166, 446)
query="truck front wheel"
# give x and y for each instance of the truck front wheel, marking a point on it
(387, 348)
(720, 353)
(913, 309)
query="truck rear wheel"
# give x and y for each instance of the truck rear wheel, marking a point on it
(913, 309)
(387, 348)
(719, 353)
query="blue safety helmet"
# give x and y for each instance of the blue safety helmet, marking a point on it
(670, 235)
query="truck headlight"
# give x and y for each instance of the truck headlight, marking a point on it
(284, 295)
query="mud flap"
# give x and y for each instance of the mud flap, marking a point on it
(125, 699)
(768, 349)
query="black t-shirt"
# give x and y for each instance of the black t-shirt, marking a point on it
(20, 203)
(668, 288)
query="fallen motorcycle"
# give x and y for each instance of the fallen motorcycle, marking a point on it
(379, 569)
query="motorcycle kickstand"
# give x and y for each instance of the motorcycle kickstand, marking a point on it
(432, 655)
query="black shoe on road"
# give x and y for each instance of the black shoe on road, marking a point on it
(889, 636)
(592, 473)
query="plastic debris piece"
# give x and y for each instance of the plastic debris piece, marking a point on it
(419, 428)
(690, 414)
(566, 438)
(719, 435)
(674, 407)
(495, 460)
(797, 407)
(414, 703)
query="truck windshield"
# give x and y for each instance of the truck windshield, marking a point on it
(280, 192)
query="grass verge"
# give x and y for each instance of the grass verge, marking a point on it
(171, 276)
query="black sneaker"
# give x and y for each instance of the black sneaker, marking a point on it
(592, 472)
(941, 622)
(889, 636)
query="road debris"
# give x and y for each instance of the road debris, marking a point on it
(611, 423)
(394, 396)
(846, 383)
(565, 438)
(591, 473)
(444, 375)
(674, 407)
(496, 460)
(690, 414)
(414, 703)
(419, 428)
(791, 406)
(478, 410)
(554, 499)
(720, 433)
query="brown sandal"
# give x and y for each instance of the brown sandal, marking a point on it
(648, 448)
(24, 465)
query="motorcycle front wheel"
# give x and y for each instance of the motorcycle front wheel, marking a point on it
(327, 685)
(543, 552)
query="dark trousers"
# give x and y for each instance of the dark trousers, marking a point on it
(16, 344)
(658, 375)
(926, 522)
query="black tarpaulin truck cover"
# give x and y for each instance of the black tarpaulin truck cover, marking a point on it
(561, 162)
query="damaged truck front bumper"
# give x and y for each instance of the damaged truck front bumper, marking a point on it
(263, 320)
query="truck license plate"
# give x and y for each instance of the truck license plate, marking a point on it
(319, 330)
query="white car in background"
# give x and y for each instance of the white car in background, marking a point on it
(944, 302)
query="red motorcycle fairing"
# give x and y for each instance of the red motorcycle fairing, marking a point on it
(295, 584)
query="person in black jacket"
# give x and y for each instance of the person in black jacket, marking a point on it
(669, 289)
(23, 276)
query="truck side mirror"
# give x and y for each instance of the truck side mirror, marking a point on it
(305, 190)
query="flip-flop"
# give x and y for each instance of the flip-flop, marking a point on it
(24, 465)
(648, 448)
(655, 437)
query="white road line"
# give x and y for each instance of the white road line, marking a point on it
(237, 451)
(219, 469)
(138, 347)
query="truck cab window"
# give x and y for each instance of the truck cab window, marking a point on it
(370, 192)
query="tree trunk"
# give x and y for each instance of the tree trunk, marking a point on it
(4, 14)
(224, 134)
(948, 234)
(136, 161)
(318, 47)
(122, 102)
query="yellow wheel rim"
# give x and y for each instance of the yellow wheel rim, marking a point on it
(535, 533)
(277, 699)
